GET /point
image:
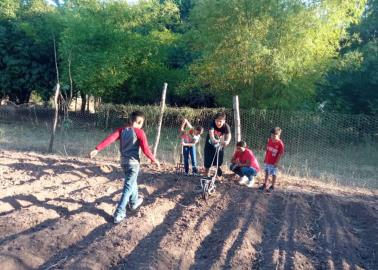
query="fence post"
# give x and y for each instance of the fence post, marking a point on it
(56, 96)
(235, 101)
(162, 108)
(107, 117)
(57, 90)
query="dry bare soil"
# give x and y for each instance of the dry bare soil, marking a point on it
(56, 213)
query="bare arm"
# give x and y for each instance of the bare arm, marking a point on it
(212, 138)
(235, 158)
(227, 136)
(182, 127)
(280, 154)
(228, 140)
(278, 159)
(188, 124)
(188, 144)
(184, 123)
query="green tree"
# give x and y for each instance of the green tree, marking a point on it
(9, 8)
(26, 54)
(351, 85)
(270, 52)
(117, 51)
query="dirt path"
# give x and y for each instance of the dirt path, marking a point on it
(56, 213)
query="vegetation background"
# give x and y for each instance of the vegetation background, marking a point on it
(275, 54)
(310, 67)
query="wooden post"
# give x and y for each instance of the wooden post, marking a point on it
(88, 98)
(57, 92)
(107, 117)
(235, 102)
(162, 108)
(55, 121)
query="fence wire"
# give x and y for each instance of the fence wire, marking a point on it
(328, 146)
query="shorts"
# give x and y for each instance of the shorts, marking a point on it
(271, 169)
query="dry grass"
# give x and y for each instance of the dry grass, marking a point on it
(353, 166)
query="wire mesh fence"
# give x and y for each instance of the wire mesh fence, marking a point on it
(328, 146)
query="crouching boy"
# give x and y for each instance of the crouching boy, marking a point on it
(245, 164)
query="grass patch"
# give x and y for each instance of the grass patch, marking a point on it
(353, 165)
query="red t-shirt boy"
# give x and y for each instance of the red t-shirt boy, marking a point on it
(274, 150)
(247, 158)
(245, 164)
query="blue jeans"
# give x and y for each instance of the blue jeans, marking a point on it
(270, 169)
(190, 151)
(249, 172)
(130, 188)
(243, 171)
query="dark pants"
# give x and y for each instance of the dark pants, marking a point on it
(210, 151)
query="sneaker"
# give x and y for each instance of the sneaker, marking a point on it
(262, 187)
(271, 189)
(243, 180)
(137, 204)
(251, 182)
(118, 217)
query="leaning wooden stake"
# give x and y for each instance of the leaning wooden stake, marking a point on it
(237, 118)
(162, 108)
(57, 91)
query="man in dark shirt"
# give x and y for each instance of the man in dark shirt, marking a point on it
(219, 136)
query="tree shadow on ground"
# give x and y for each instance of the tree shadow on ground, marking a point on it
(65, 214)
(311, 231)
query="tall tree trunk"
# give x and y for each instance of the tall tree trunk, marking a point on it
(20, 97)
(24, 97)
(12, 97)
(83, 102)
(68, 102)
(88, 102)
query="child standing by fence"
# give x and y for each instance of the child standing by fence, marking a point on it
(189, 138)
(131, 138)
(274, 151)
(244, 164)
